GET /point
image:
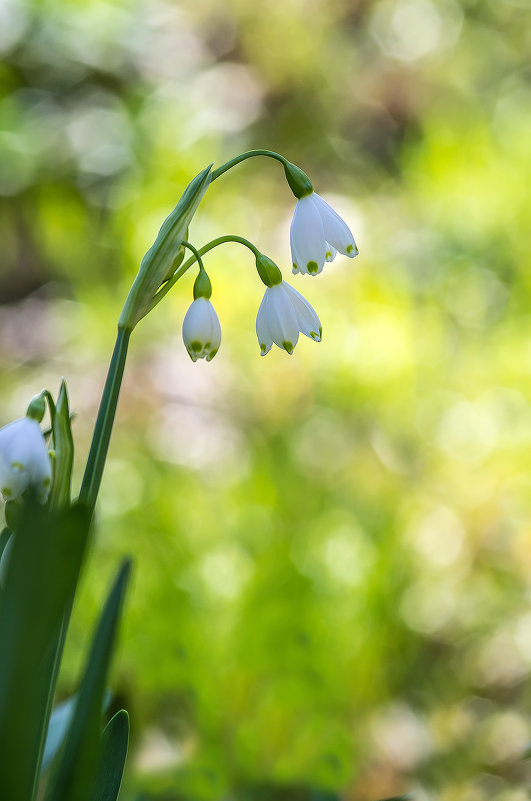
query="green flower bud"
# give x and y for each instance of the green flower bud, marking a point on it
(298, 181)
(36, 408)
(268, 270)
(202, 285)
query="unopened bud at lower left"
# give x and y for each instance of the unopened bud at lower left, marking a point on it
(201, 330)
(24, 460)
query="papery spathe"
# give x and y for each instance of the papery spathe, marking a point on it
(283, 314)
(317, 233)
(24, 460)
(201, 330)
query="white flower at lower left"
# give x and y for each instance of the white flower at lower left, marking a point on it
(201, 330)
(24, 460)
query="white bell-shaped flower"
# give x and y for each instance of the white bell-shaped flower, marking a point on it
(317, 233)
(201, 330)
(282, 315)
(24, 460)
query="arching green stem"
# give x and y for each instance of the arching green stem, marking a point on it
(247, 155)
(189, 262)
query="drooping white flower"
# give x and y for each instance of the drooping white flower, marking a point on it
(201, 330)
(24, 460)
(283, 313)
(317, 233)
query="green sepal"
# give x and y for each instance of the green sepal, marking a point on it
(298, 181)
(268, 270)
(158, 262)
(37, 407)
(40, 580)
(75, 774)
(202, 286)
(63, 446)
(114, 744)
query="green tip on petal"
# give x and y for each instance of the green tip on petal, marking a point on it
(313, 267)
(196, 347)
(6, 492)
(263, 349)
(211, 355)
(288, 347)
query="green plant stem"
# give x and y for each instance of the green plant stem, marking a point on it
(248, 155)
(104, 422)
(165, 288)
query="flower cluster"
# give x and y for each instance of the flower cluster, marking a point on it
(317, 234)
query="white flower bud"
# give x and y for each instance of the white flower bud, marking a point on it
(317, 233)
(284, 313)
(201, 330)
(24, 460)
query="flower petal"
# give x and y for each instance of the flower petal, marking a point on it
(281, 317)
(331, 252)
(307, 238)
(265, 340)
(307, 319)
(336, 231)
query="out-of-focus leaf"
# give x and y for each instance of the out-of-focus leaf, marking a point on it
(4, 537)
(407, 797)
(114, 743)
(75, 774)
(40, 579)
(60, 720)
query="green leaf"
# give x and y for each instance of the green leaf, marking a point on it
(60, 720)
(114, 743)
(75, 774)
(4, 538)
(63, 446)
(41, 576)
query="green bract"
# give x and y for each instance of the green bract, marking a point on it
(156, 264)
(268, 270)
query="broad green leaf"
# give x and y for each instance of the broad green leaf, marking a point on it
(114, 743)
(75, 772)
(40, 579)
(60, 720)
(4, 537)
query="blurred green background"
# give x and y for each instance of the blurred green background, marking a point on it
(332, 550)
